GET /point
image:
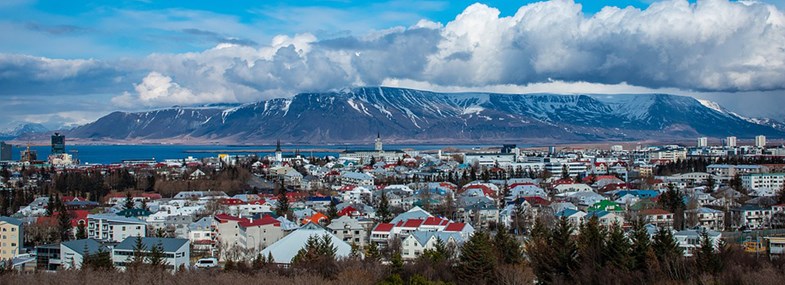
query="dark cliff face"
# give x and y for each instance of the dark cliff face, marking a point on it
(356, 115)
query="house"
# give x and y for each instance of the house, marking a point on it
(382, 233)
(258, 233)
(751, 217)
(706, 218)
(482, 214)
(114, 228)
(357, 179)
(416, 243)
(575, 217)
(12, 231)
(176, 251)
(349, 230)
(690, 240)
(284, 250)
(657, 217)
(606, 218)
(72, 252)
(606, 205)
(776, 246)
(201, 234)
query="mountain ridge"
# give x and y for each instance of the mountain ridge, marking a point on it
(399, 114)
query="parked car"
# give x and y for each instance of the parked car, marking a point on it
(208, 262)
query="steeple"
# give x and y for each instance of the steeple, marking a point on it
(278, 152)
(278, 146)
(378, 145)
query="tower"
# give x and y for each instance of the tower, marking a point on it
(58, 144)
(378, 144)
(760, 141)
(278, 154)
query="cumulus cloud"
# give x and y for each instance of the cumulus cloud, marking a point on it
(708, 46)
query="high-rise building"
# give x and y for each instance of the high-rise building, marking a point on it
(760, 141)
(730, 142)
(5, 151)
(703, 142)
(58, 143)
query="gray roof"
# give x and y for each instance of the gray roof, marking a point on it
(285, 249)
(116, 218)
(10, 220)
(422, 237)
(169, 244)
(413, 213)
(79, 245)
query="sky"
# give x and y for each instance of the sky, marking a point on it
(64, 63)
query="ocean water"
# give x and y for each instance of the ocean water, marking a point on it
(107, 154)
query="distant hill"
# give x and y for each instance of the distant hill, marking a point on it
(22, 129)
(406, 115)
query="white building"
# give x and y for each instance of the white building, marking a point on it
(114, 228)
(357, 179)
(730, 142)
(284, 250)
(690, 240)
(703, 142)
(760, 141)
(349, 230)
(416, 243)
(72, 252)
(176, 252)
(756, 181)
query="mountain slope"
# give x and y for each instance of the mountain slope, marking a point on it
(356, 115)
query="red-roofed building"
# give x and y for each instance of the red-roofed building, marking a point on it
(382, 233)
(657, 217)
(77, 217)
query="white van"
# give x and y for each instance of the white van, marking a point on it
(208, 262)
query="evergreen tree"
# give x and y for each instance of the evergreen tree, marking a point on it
(64, 224)
(591, 242)
(438, 254)
(332, 210)
(138, 257)
(383, 212)
(781, 195)
(665, 246)
(565, 249)
(617, 248)
(259, 262)
(372, 252)
(706, 257)
(476, 264)
(144, 205)
(156, 259)
(101, 260)
(129, 201)
(710, 183)
(51, 206)
(81, 231)
(641, 246)
(283, 203)
(508, 250)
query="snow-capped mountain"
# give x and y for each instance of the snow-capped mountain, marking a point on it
(21, 129)
(356, 115)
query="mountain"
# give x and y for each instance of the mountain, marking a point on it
(21, 129)
(406, 115)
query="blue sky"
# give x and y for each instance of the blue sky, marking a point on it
(70, 62)
(128, 28)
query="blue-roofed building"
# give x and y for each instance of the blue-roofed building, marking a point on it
(176, 251)
(576, 217)
(72, 252)
(412, 214)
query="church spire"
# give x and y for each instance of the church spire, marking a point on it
(278, 146)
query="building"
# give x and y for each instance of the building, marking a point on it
(5, 151)
(357, 179)
(730, 142)
(418, 242)
(72, 252)
(349, 230)
(758, 181)
(706, 218)
(760, 141)
(12, 231)
(58, 144)
(776, 246)
(657, 217)
(668, 155)
(284, 250)
(176, 251)
(256, 234)
(703, 142)
(114, 228)
(751, 217)
(378, 153)
(727, 171)
(690, 240)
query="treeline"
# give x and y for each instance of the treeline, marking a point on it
(700, 164)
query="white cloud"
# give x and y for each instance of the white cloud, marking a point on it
(670, 47)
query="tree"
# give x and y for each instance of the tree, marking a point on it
(332, 210)
(710, 183)
(101, 260)
(384, 209)
(129, 201)
(476, 264)
(156, 259)
(144, 205)
(673, 201)
(508, 250)
(641, 245)
(137, 258)
(64, 223)
(735, 183)
(372, 252)
(51, 206)
(591, 242)
(81, 231)
(259, 262)
(617, 248)
(781, 195)
(438, 254)
(283, 203)
(706, 257)
(565, 173)
(664, 245)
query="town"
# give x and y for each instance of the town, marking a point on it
(241, 213)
